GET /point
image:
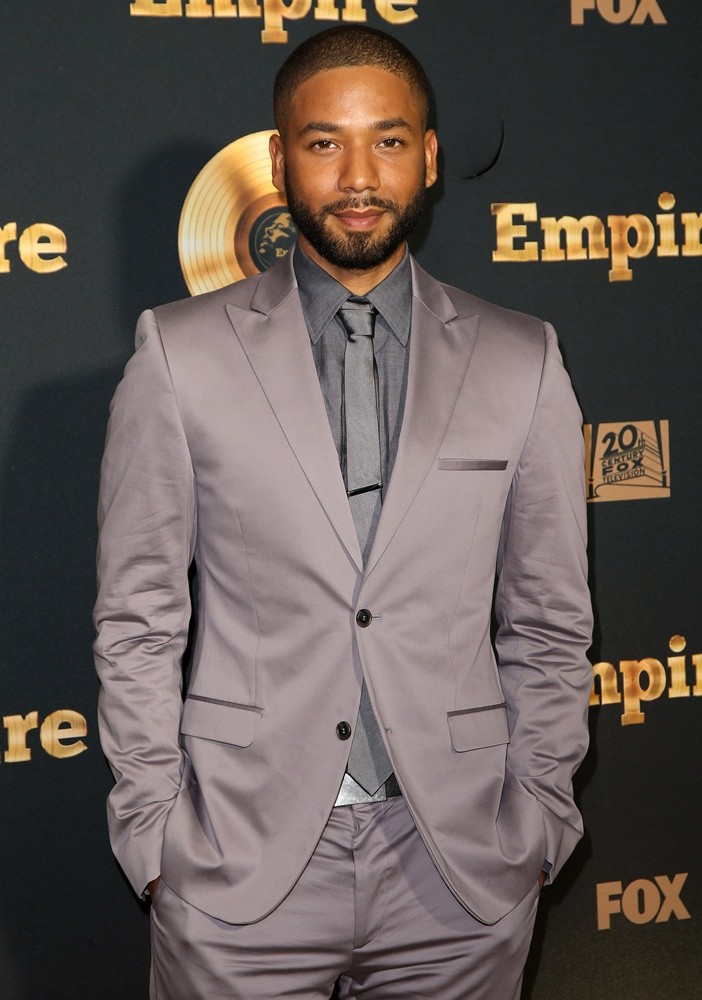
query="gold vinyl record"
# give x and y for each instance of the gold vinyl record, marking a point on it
(234, 223)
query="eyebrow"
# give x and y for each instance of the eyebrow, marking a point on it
(334, 128)
(319, 127)
(389, 123)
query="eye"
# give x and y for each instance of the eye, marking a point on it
(392, 142)
(323, 144)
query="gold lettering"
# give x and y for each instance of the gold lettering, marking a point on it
(17, 727)
(607, 904)
(642, 892)
(508, 232)
(60, 726)
(274, 11)
(198, 8)
(574, 231)
(8, 234)
(634, 693)
(679, 687)
(693, 229)
(697, 662)
(607, 676)
(614, 16)
(326, 11)
(39, 240)
(225, 8)
(666, 226)
(672, 903)
(578, 8)
(388, 10)
(353, 11)
(155, 8)
(649, 9)
(605, 690)
(571, 238)
(622, 249)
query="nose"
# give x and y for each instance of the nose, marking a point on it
(359, 171)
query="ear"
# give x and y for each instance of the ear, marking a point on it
(431, 147)
(275, 146)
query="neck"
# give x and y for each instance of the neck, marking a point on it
(357, 282)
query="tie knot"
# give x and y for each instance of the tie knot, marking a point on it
(358, 316)
(358, 302)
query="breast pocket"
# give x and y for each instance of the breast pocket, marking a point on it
(472, 464)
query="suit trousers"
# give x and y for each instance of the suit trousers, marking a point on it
(370, 909)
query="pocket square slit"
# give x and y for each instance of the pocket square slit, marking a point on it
(472, 464)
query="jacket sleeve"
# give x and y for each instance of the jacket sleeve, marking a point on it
(146, 516)
(543, 609)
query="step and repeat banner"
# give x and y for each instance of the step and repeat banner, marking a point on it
(134, 172)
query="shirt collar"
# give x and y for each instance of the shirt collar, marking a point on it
(322, 296)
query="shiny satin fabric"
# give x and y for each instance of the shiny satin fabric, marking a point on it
(219, 449)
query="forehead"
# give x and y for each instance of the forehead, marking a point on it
(353, 93)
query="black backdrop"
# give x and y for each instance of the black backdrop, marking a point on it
(106, 119)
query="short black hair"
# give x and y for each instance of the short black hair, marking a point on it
(349, 45)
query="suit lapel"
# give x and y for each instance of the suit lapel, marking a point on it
(274, 337)
(441, 346)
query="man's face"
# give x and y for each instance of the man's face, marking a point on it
(354, 162)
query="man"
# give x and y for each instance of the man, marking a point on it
(351, 453)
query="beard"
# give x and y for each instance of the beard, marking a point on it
(355, 251)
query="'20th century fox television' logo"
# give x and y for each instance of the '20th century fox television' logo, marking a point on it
(627, 461)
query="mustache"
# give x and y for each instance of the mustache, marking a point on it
(359, 204)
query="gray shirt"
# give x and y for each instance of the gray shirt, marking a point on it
(321, 297)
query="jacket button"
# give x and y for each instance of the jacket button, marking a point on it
(363, 618)
(343, 730)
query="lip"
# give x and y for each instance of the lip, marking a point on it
(359, 220)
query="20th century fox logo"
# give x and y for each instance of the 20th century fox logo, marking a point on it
(627, 461)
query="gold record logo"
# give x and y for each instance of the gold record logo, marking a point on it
(234, 223)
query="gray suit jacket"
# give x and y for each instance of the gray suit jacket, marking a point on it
(219, 450)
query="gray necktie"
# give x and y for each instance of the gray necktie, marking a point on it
(368, 764)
